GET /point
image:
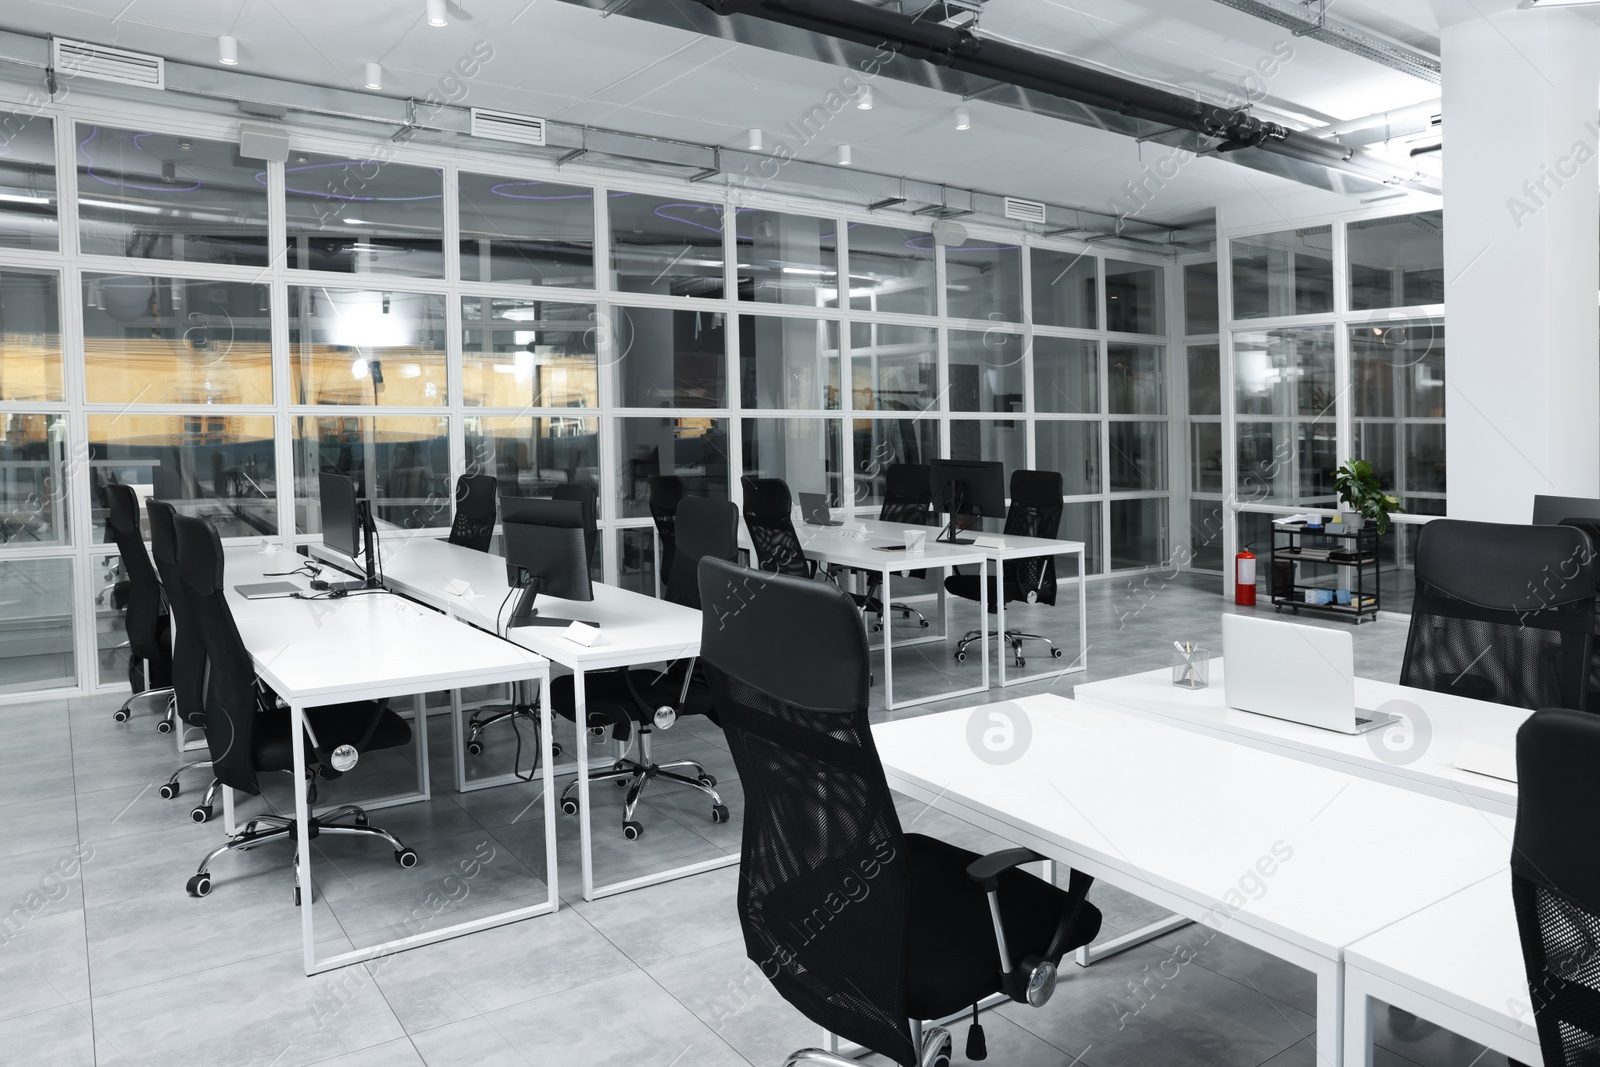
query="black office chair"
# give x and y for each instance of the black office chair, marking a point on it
(248, 733)
(1503, 613)
(633, 704)
(473, 525)
(920, 929)
(144, 616)
(666, 492)
(1592, 528)
(188, 649)
(767, 507)
(1555, 880)
(907, 498)
(1034, 511)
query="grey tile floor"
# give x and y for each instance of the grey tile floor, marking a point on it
(104, 960)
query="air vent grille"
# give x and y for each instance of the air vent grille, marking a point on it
(1024, 210)
(503, 126)
(78, 59)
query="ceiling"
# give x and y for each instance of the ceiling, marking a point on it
(562, 60)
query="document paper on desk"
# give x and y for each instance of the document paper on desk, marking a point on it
(1491, 760)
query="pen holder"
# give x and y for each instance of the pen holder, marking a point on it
(1192, 669)
(916, 542)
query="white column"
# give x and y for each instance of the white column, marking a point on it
(1522, 261)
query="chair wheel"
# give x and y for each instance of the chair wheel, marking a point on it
(360, 819)
(937, 1053)
(164, 726)
(961, 655)
(1021, 662)
(297, 896)
(170, 790)
(555, 749)
(1055, 653)
(199, 885)
(406, 858)
(120, 715)
(632, 830)
(620, 783)
(923, 623)
(719, 813)
(708, 780)
(474, 748)
(201, 813)
(569, 806)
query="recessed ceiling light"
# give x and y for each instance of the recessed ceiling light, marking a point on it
(436, 13)
(865, 103)
(374, 75)
(844, 155)
(963, 119)
(228, 51)
(753, 139)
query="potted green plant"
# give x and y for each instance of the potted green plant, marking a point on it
(1358, 489)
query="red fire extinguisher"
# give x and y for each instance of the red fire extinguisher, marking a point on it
(1244, 579)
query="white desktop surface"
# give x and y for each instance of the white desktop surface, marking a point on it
(1452, 721)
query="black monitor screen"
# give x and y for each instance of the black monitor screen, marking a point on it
(341, 522)
(546, 552)
(1551, 510)
(980, 486)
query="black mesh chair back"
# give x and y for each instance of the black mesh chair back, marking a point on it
(188, 647)
(666, 492)
(1502, 613)
(229, 687)
(1592, 528)
(907, 494)
(473, 525)
(767, 507)
(1555, 880)
(148, 638)
(819, 820)
(1035, 511)
(706, 528)
(590, 500)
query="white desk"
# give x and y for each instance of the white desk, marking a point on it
(1420, 763)
(1184, 820)
(367, 647)
(1457, 963)
(635, 630)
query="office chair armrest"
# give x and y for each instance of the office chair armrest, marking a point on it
(986, 870)
(656, 713)
(1031, 979)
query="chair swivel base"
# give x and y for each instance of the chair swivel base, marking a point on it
(1014, 637)
(636, 774)
(202, 811)
(487, 717)
(266, 828)
(155, 701)
(935, 1051)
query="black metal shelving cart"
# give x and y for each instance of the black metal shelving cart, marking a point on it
(1304, 558)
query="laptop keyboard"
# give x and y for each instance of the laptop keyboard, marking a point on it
(1362, 722)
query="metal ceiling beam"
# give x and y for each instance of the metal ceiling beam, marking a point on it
(1318, 25)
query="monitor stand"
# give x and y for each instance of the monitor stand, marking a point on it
(956, 500)
(525, 614)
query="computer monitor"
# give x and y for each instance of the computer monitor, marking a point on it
(1550, 510)
(585, 495)
(967, 490)
(347, 526)
(545, 553)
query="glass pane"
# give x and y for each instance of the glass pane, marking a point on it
(33, 480)
(1081, 522)
(1064, 288)
(694, 449)
(806, 453)
(30, 334)
(1205, 457)
(28, 183)
(1200, 298)
(986, 371)
(1287, 462)
(366, 347)
(1135, 298)
(1205, 379)
(667, 358)
(537, 233)
(36, 644)
(1138, 532)
(1286, 273)
(788, 363)
(881, 443)
(107, 576)
(204, 462)
(1205, 535)
(1066, 375)
(1137, 457)
(400, 462)
(891, 270)
(1137, 376)
(983, 280)
(1073, 448)
(530, 456)
(787, 259)
(529, 353)
(1397, 368)
(169, 196)
(666, 246)
(172, 341)
(893, 368)
(359, 216)
(992, 440)
(636, 559)
(1396, 262)
(1285, 372)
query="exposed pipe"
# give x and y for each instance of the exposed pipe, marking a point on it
(960, 49)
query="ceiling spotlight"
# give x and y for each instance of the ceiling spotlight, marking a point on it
(228, 51)
(374, 76)
(844, 155)
(963, 119)
(865, 103)
(436, 13)
(753, 139)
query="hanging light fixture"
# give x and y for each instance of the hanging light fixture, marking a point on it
(436, 13)
(844, 155)
(865, 103)
(228, 50)
(374, 75)
(753, 139)
(963, 119)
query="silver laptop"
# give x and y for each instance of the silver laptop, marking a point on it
(814, 510)
(1306, 674)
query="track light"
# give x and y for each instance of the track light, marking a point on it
(374, 76)
(228, 51)
(436, 13)
(963, 119)
(753, 139)
(844, 155)
(865, 103)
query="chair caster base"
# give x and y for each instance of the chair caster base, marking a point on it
(632, 830)
(719, 813)
(121, 715)
(170, 790)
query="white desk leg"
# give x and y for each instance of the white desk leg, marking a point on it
(302, 822)
(580, 708)
(1330, 1014)
(983, 619)
(1083, 615)
(547, 739)
(457, 728)
(1357, 1021)
(999, 618)
(424, 780)
(888, 642)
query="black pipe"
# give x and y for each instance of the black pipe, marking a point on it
(959, 49)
